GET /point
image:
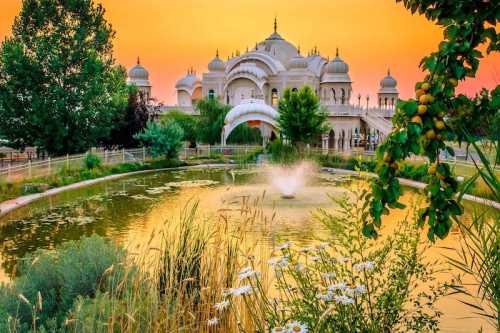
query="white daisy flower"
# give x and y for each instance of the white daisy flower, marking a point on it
(280, 262)
(315, 258)
(323, 245)
(247, 272)
(343, 259)
(337, 286)
(360, 289)
(343, 299)
(296, 327)
(327, 297)
(284, 246)
(222, 305)
(212, 322)
(306, 249)
(244, 290)
(368, 266)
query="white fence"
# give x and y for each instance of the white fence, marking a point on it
(45, 168)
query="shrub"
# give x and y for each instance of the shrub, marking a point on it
(347, 284)
(164, 139)
(91, 161)
(50, 281)
(282, 153)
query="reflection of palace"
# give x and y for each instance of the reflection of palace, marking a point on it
(253, 82)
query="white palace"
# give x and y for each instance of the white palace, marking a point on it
(252, 83)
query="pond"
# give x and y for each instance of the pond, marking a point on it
(128, 209)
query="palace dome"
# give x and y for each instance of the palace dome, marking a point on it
(298, 62)
(216, 65)
(189, 81)
(336, 71)
(278, 47)
(388, 81)
(138, 75)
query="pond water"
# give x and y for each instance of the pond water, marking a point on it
(128, 209)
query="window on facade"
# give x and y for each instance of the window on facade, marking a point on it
(392, 102)
(274, 97)
(334, 95)
(343, 96)
(385, 101)
(211, 94)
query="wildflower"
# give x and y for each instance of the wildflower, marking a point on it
(212, 322)
(325, 296)
(337, 286)
(299, 267)
(296, 327)
(360, 289)
(247, 272)
(315, 258)
(244, 290)
(368, 266)
(222, 305)
(280, 262)
(328, 275)
(343, 299)
(279, 329)
(344, 259)
(284, 246)
(323, 246)
(306, 249)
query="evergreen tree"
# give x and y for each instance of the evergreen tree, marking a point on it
(211, 120)
(59, 86)
(301, 118)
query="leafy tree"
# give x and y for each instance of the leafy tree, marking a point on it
(425, 125)
(301, 118)
(187, 122)
(164, 139)
(59, 86)
(130, 121)
(211, 120)
(244, 134)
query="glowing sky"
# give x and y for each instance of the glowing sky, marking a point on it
(372, 35)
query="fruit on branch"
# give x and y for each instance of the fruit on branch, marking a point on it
(440, 125)
(430, 134)
(432, 169)
(425, 86)
(422, 109)
(416, 119)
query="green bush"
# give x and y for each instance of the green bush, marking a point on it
(282, 153)
(91, 161)
(163, 139)
(50, 282)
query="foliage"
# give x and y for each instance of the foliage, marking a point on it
(211, 120)
(59, 86)
(128, 122)
(346, 284)
(301, 119)
(282, 153)
(163, 139)
(50, 281)
(423, 125)
(91, 161)
(187, 122)
(244, 134)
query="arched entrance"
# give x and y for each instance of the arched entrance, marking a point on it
(255, 113)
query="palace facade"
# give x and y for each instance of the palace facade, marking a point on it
(252, 83)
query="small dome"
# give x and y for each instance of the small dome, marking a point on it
(189, 81)
(298, 62)
(388, 81)
(138, 72)
(337, 66)
(216, 65)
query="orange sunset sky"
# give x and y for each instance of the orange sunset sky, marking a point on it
(372, 35)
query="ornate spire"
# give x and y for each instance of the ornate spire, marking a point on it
(388, 71)
(217, 53)
(298, 50)
(275, 24)
(337, 52)
(138, 61)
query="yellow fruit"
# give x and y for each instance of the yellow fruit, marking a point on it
(430, 134)
(422, 109)
(439, 137)
(425, 86)
(441, 114)
(419, 92)
(423, 99)
(430, 98)
(387, 157)
(416, 119)
(453, 82)
(439, 124)
(394, 165)
(432, 169)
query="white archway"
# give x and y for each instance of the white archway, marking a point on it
(255, 112)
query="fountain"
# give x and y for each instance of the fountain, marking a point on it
(289, 180)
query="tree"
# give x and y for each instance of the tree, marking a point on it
(211, 120)
(425, 125)
(163, 139)
(187, 122)
(59, 86)
(301, 118)
(128, 122)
